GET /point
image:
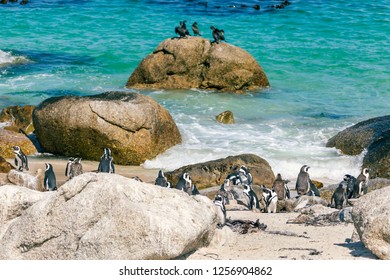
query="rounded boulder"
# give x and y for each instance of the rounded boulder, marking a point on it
(135, 127)
(195, 62)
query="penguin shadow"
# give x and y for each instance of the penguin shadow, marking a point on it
(357, 249)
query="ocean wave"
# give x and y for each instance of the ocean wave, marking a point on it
(7, 58)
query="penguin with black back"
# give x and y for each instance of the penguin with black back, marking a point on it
(49, 180)
(106, 163)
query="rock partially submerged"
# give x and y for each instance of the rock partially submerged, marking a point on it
(372, 135)
(135, 127)
(196, 63)
(370, 216)
(103, 216)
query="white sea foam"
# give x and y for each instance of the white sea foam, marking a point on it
(7, 58)
(285, 148)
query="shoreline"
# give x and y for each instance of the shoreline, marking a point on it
(296, 241)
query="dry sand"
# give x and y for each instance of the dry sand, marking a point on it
(298, 242)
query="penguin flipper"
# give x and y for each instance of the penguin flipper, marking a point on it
(314, 188)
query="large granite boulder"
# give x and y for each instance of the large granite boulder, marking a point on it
(9, 138)
(372, 135)
(353, 140)
(135, 127)
(103, 216)
(5, 166)
(370, 216)
(18, 117)
(196, 63)
(377, 158)
(212, 173)
(27, 180)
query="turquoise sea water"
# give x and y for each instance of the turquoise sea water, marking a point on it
(327, 63)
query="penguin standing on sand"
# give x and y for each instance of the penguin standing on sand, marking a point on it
(339, 197)
(304, 185)
(68, 167)
(21, 160)
(360, 186)
(76, 168)
(271, 200)
(49, 182)
(184, 183)
(106, 162)
(252, 199)
(219, 203)
(280, 187)
(161, 180)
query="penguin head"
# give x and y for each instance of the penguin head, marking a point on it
(365, 172)
(161, 174)
(48, 166)
(244, 169)
(212, 28)
(107, 152)
(346, 177)
(16, 149)
(70, 159)
(77, 160)
(305, 168)
(247, 188)
(278, 177)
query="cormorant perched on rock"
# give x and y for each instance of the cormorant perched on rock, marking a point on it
(218, 35)
(195, 29)
(182, 30)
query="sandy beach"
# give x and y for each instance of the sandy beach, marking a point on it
(280, 240)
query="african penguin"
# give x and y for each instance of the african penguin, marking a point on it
(350, 181)
(195, 29)
(252, 199)
(76, 168)
(233, 178)
(68, 166)
(271, 200)
(360, 186)
(304, 185)
(219, 203)
(280, 187)
(49, 180)
(223, 191)
(106, 162)
(195, 190)
(21, 160)
(245, 176)
(161, 180)
(339, 197)
(184, 183)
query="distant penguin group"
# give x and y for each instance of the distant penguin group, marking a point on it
(350, 188)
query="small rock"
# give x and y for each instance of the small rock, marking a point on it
(225, 117)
